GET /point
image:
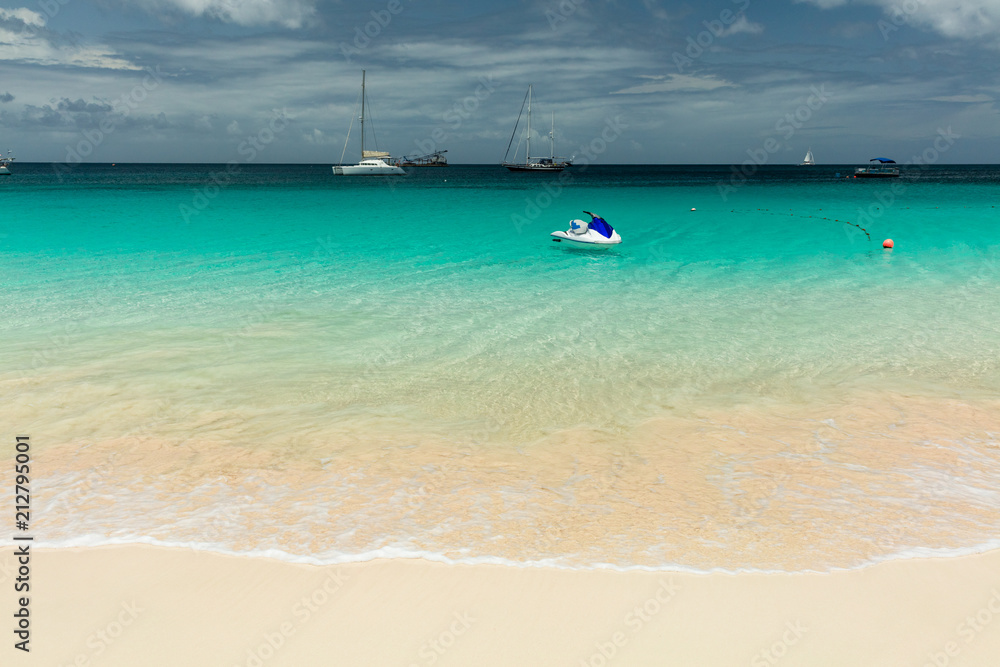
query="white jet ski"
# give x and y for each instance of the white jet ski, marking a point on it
(596, 234)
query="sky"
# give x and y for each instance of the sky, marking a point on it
(641, 82)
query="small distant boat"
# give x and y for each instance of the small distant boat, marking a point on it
(435, 159)
(373, 163)
(808, 160)
(4, 162)
(595, 235)
(878, 167)
(543, 164)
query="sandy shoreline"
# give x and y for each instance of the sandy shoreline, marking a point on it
(779, 487)
(151, 606)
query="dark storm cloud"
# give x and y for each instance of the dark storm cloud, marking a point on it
(696, 81)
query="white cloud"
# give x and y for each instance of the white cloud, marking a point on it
(24, 15)
(24, 39)
(963, 99)
(951, 18)
(287, 13)
(320, 138)
(674, 82)
(742, 24)
(955, 18)
(824, 4)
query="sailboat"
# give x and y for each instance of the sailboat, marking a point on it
(808, 160)
(373, 163)
(551, 163)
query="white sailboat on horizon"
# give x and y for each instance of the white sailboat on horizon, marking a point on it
(808, 160)
(373, 163)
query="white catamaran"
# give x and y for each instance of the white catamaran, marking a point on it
(373, 163)
(551, 163)
(808, 160)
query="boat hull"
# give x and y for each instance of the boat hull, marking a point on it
(4, 171)
(538, 164)
(875, 175)
(368, 170)
(521, 167)
(591, 240)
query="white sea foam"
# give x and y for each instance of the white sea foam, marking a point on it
(392, 553)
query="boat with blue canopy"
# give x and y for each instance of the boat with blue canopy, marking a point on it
(878, 167)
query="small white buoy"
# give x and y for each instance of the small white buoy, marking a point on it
(694, 209)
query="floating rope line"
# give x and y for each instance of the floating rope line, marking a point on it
(818, 217)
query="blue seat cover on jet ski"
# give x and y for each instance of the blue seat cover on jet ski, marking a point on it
(601, 226)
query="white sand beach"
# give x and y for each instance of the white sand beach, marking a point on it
(153, 606)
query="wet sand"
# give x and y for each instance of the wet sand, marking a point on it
(789, 488)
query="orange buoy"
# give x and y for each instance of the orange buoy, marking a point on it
(887, 243)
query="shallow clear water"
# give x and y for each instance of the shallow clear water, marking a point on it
(332, 368)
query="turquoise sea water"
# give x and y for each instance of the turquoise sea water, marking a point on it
(308, 325)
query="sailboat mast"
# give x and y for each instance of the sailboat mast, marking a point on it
(362, 114)
(528, 147)
(552, 137)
